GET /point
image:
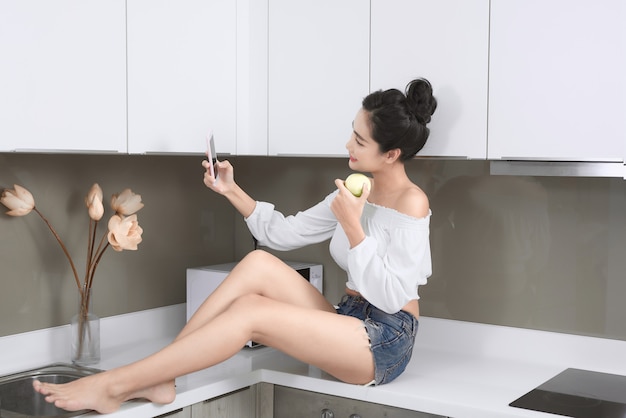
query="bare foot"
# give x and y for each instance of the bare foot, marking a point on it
(97, 392)
(87, 393)
(163, 393)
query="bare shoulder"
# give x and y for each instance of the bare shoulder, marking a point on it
(413, 202)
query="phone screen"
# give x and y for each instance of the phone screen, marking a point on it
(211, 155)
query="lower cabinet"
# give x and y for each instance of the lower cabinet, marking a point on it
(239, 404)
(265, 400)
(295, 403)
(251, 402)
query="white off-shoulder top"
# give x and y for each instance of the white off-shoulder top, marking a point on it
(386, 268)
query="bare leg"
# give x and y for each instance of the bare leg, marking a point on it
(259, 273)
(308, 330)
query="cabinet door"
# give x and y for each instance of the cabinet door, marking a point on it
(181, 75)
(318, 74)
(234, 405)
(557, 89)
(446, 42)
(63, 75)
(252, 80)
(296, 403)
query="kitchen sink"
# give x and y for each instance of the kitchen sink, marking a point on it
(18, 399)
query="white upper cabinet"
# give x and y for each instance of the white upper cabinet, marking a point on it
(63, 75)
(318, 74)
(446, 42)
(557, 88)
(252, 21)
(182, 75)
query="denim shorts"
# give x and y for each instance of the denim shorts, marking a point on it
(391, 336)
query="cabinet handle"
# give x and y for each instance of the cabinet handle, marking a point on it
(176, 411)
(327, 413)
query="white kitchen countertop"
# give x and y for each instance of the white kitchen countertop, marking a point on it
(459, 369)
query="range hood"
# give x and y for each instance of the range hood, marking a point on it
(557, 168)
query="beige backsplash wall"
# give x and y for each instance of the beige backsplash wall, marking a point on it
(543, 253)
(36, 285)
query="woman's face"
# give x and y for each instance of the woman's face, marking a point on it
(364, 151)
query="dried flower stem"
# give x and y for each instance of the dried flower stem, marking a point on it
(67, 254)
(90, 271)
(93, 226)
(104, 244)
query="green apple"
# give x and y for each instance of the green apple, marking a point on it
(355, 183)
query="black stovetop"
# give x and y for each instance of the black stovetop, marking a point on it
(579, 394)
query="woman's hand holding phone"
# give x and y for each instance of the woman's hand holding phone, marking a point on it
(219, 174)
(211, 155)
(226, 178)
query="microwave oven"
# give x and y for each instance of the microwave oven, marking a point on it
(202, 281)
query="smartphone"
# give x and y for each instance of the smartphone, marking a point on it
(211, 155)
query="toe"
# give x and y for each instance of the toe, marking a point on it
(38, 386)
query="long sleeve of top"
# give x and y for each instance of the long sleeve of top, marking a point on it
(386, 268)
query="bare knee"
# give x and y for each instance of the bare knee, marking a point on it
(258, 257)
(257, 267)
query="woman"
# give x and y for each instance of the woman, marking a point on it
(380, 239)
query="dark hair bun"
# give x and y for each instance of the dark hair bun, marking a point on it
(420, 100)
(398, 120)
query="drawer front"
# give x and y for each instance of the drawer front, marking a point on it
(294, 403)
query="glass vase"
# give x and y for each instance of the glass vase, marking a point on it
(85, 333)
